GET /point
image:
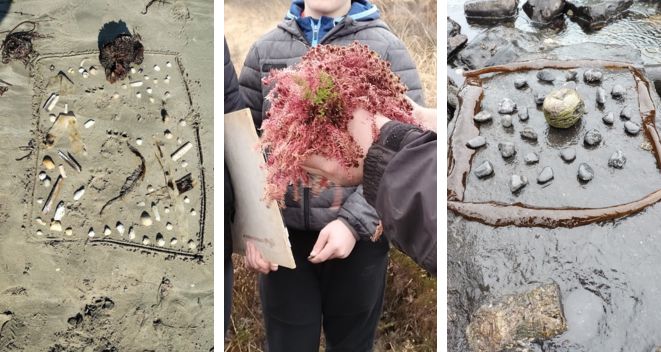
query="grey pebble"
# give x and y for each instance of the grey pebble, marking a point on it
(617, 160)
(601, 96)
(506, 121)
(618, 91)
(517, 183)
(608, 118)
(484, 170)
(523, 115)
(585, 172)
(627, 113)
(568, 154)
(592, 137)
(545, 76)
(520, 83)
(507, 149)
(482, 116)
(592, 76)
(571, 75)
(539, 98)
(476, 142)
(545, 176)
(506, 106)
(529, 134)
(631, 128)
(531, 158)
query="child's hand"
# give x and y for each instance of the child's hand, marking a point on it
(360, 128)
(254, 260)
(335, 241)
(426, 116)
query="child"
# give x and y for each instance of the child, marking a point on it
(344, 296)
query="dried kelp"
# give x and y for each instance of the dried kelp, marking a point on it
(132, 181)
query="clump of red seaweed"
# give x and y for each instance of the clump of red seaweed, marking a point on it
(312, 104)
(117, 56)
(18, 45)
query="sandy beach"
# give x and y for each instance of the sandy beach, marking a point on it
(112, 249)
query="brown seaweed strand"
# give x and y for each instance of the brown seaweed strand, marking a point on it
(132, 181)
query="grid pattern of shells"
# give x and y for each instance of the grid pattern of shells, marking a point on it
(116, 163)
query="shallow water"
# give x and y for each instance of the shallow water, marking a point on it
(640, 28)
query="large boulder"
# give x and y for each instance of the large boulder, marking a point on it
(490, 9)
(455, 39)
(544, 11)
(596, 13)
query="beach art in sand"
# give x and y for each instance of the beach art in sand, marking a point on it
(117, 164)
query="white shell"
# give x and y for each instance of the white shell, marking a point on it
(184, 164)
(120, 228)
(39, 233)
(89, 123)
(124, 86)
(136, 84)
(146, 78)
(133, 70)
(156, 68)
(91, 233)
(107, 231)
(192, 244)
(68, 231)
(167, 95)
(52, 117)
(166, 79)
(86, 74)
(47, 181)
(138, 95)
(181, 151)
(56, 226)
(173, 241)
(169, 226)
(193, 212)
(154, 209)
(152, 100)
(145, 240)
(40, 222)
(42, 175)
(155, 80)
(79, 193)
(59, 211)
(51, 101)
(81, 69)
(131, 233)
(148, 90)
(115, 95)
(182, 123)
(186, 199)
(145, 219)
(93, 70)
(168, 134)
(62, 171)
(168, 64)
(166, 210)
(160, 241)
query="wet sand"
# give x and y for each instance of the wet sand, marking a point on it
(68, 291)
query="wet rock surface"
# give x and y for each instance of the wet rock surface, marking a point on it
(506, 106)
(592, 138)
(529, 134)
(609, 118)
(606, 271)
(482, 116)
(531, 158)
(607, 188)
(617, 160)
(632, 128)
(476, 142)
(517, 319)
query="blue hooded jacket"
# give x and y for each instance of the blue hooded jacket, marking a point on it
(315, 29)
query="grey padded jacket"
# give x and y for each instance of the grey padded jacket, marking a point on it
(284, 46)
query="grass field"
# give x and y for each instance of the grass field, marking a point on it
(408, 322)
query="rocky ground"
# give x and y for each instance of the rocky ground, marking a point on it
(605, 270)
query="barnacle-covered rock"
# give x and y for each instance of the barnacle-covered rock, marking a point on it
(518, 318)
(563, 108)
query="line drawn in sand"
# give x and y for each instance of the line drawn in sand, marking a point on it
(120, 164)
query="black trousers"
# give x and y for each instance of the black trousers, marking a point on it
(344, 296)
(229, 269)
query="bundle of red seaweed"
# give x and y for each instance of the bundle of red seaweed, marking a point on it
(312, 104)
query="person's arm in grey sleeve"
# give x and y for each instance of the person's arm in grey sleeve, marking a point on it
(233, 101)
(404, 67)
(399, 180)
(359, 216)
(250, 83)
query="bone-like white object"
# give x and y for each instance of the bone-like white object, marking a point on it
(55, 191)
(136, 84)
(59, 211)
(181, 151)
(51, 101)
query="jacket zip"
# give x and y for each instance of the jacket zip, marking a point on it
(315, 32)
(306, 207)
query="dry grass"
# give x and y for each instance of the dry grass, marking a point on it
(408, 322)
